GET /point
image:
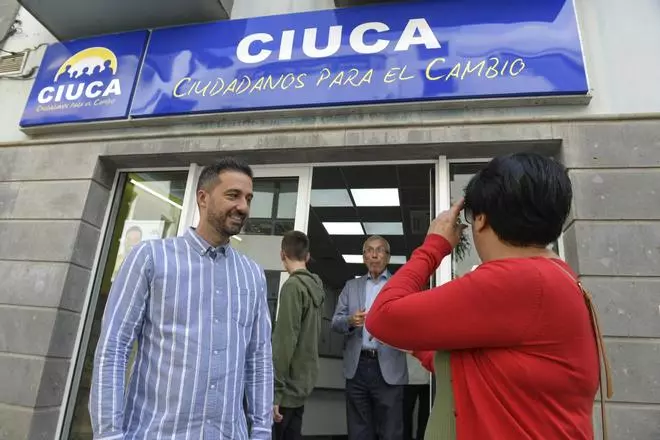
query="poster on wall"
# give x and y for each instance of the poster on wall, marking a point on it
(133, 233)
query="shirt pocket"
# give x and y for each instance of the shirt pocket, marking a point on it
(242, 307)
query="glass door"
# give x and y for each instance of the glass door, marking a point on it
(147, 205)
(280, 204)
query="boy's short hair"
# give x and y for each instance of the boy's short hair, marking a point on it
(295, 245)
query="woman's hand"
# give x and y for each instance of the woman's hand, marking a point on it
(447, 224)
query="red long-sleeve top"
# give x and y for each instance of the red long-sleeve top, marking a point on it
(524, 360)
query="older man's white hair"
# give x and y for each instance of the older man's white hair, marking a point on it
(376, 238)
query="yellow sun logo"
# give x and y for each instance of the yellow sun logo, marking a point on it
(92, 61)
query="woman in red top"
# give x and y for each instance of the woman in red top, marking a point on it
(523, 358)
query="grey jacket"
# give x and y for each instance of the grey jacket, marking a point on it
(392, 362)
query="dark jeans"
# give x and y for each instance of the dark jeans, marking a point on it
(413, 394)
(290, 428)
(374, 408)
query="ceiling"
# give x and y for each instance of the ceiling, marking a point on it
(411, 215)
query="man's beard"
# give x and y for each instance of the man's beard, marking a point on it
(223, 226)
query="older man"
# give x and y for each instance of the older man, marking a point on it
(375, 373)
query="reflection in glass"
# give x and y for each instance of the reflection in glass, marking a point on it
(273, 208)
(272, 213)
(150, 208)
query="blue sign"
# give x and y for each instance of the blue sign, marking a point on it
(433, 50)
(89, 79)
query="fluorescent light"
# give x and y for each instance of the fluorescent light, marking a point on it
(376, 197)
(237, 238)
(146, 189)
(344, 228)
(357, 259)
(384, 228)
(331, 198)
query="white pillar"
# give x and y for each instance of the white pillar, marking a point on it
(257, 8)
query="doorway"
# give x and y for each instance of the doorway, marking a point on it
(394, 200)
(349, 203)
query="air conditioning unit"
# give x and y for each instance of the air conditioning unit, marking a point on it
(13, 64)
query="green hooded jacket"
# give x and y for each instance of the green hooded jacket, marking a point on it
(296, 338)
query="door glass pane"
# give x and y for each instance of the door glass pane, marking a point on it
(272, 213)
(466, 260)
(150, 208)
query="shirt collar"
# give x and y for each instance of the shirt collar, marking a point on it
(383, 276)
(202, 246)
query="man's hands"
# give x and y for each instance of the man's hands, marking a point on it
(447, 224)
(357, 320)
(277, 417)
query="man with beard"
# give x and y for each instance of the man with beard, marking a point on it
(197, 309)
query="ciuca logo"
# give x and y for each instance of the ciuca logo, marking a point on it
(88, 75)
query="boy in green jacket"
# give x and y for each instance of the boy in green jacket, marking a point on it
(296, 338)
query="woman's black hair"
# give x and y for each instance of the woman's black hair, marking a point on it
(525, 197)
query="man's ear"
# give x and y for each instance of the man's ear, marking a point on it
(307, 258)
(202, 199)
(480, 223)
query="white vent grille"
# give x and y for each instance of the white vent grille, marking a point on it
(12, 64)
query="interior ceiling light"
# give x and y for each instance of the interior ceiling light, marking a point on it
(343, 228)
(331, 198)
(357, 259)
(156, 194)
(353, 259)
(383, 228)
(376, 197)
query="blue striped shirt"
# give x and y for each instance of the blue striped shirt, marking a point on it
(201, 321)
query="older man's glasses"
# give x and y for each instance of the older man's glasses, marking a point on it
(378, 251)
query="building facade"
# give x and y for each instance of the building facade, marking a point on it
(71, 194)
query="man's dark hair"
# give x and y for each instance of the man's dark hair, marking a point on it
(295, 245)
(209, 176)
(525, 197)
